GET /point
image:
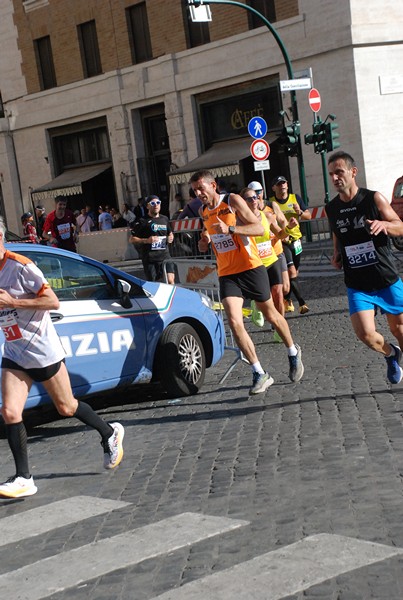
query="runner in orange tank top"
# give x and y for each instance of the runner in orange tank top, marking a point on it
(230, 226)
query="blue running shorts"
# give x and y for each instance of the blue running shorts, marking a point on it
(389, 299)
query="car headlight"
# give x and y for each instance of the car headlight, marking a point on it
(206, 300)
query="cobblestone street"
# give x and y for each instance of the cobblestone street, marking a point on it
(323, 456)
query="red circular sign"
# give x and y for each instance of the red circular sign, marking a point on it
(260, 149)
(314, 100)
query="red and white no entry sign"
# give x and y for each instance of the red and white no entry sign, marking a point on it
(314, 100)
(260, 149)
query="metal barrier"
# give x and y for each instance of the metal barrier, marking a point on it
(187, 234)
(201, 276)
(320, 233)
(186, 238)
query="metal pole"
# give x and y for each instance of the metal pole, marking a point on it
(294, 105)
(325, 181)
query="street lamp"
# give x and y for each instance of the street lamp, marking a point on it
(294, 105)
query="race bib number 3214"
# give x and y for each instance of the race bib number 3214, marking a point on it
(361, 255)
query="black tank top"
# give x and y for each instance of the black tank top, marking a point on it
(367, 259)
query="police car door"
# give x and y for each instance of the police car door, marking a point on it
(105, 343)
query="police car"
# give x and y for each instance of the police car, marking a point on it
(118, 330)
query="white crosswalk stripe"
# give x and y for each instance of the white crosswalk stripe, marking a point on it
(58, 514)
(286, 571)
(69, 569)
(271, 576)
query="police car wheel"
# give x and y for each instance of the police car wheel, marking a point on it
(180, 360)
(398, 242)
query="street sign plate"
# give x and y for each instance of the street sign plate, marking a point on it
(260, 149)
(304, 73)
(288, 85)
(314, 100)
(257, 127)
(200, 14)
(260, 165)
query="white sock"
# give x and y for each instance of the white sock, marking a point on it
(257, 368)
(292, 351)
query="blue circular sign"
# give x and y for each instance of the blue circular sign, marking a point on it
(257, 127)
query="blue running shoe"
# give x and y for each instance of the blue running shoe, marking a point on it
(395, 372)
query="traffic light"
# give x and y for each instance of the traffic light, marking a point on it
(323, 137)
(289, 138)
(313, 138)
(331, 137)
(317, 137)
(320, 145)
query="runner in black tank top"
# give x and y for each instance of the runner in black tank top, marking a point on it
(361, 221)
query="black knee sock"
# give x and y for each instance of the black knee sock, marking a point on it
(17, 440)
(87, 415)
(296, 291)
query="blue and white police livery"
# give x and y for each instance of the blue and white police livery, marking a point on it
(115, 328)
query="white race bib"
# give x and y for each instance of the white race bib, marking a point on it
(264, 248)
(297, 247)
(64, 231)
(160, 244)
(223, 242)
(361, 255)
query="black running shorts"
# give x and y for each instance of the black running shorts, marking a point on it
(252, 284)
(38, 375)
(275, 273)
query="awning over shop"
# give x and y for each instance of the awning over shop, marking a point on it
(69, 183)
(222, 159)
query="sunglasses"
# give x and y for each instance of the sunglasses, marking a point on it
(251, 198)
(155, 202)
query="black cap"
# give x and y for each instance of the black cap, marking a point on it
(152, 197)
(278, 179)
(40, 207)
(26, 216)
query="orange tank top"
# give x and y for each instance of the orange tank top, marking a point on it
(234, 253)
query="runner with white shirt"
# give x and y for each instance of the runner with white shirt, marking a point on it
(33, 353)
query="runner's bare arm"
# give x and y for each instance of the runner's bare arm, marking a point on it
(336, 258)
(390, 224)
(281, 219)
(46, 300)
(249, 223)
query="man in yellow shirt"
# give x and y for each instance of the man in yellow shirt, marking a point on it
(295, 211)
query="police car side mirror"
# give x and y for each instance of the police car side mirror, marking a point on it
(123, 288)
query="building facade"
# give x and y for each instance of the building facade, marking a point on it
(109, 100)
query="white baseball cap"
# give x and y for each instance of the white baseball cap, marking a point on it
(256, 186)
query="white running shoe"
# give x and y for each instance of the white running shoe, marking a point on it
(18, 487)
(261, 381)
(113, 448)
(296, 366)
